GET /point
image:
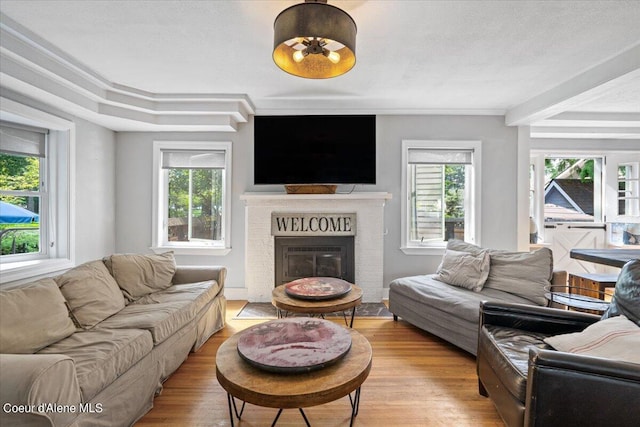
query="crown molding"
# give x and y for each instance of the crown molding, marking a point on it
(34, 67)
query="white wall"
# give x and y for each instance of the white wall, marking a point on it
(95, 198)
(95, 191)
(134, 177)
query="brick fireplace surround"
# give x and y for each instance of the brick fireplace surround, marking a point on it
(259, 240)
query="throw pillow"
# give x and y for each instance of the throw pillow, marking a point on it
(615, 338)
(464, 269)
(92, 293)
(462, 246)
(525, 274)
(626, 297)
(139, 275)
(32, 317)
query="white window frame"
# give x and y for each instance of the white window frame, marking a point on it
(42, 194)
(160, 192)
(57, 210)
(472, 203)
(632, 184)
(537, 159)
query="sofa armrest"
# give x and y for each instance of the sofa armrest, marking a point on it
(559, 277)
(193, 274)
(534, 318)
(30, 381)
(594, 391)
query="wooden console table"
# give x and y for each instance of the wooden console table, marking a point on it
(592, 285)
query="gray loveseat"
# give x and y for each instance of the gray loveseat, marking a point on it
(93, 346)
(452, 312)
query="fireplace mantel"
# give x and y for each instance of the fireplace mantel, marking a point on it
(259, 241)
(257, 197)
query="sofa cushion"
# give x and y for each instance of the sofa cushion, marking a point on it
(614, 338)
(455, 301)
(464, 269)
(512, 365)
(33, 316)
(200, 293)
(139, 275)
(101, 356)
(162, 319)
(525, 274)
(92, 293)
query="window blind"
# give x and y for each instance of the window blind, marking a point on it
(190, 159)
(440, 156)
(22, 140)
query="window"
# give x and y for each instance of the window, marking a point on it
(572, 189)
(441, 187)
(192, 197)
(37, 170)
(629, 189)
(22, 191)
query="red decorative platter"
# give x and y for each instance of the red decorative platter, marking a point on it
(317, 288)
(294, 345)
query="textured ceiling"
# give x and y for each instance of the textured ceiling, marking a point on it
(412, 56)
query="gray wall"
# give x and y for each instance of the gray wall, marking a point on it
(499, 151)
(134, 178)
(134, 181)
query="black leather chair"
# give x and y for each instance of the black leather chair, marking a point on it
(533, 385)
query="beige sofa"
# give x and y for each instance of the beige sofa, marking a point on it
(447, 304)
(93, 346)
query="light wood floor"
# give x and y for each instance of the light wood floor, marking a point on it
(416, 380)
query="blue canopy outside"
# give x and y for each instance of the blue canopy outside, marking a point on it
(12, 214)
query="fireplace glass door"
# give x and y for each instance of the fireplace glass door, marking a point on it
(298, 257)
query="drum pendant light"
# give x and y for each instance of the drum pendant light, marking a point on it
(314, 40)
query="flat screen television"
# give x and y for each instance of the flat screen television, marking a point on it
(327, 149)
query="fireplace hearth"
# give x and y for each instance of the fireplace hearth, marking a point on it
(314, 256)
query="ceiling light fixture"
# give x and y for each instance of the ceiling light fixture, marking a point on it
(314, 40)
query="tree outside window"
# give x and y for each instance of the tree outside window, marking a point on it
(195, 205)
(192, 197)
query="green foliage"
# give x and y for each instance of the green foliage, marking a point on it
(25, 240)
(587, 172)
(454, 191)
(205, 197)
(19, 173)
(555, 166)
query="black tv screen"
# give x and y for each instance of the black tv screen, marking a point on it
(315, 149)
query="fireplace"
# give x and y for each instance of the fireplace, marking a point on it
(324, 256)
(359, 216)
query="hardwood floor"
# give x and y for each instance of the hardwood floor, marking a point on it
(416, 379)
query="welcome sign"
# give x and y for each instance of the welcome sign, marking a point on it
(313, 224)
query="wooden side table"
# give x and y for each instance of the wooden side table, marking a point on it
(284, 302)
(592, 285)
(252, 385)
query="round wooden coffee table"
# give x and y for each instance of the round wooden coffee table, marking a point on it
(284, 302)
(285, 391)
